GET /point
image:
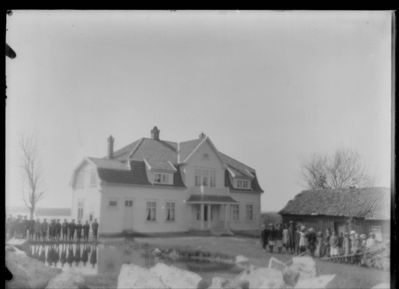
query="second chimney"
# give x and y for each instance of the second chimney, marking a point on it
(110, 147)
(155, 133)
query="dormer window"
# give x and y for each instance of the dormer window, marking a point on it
(161, 178)
(242, 184)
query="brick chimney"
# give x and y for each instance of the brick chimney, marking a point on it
(201, 135)
(110, 147)
(155, 133)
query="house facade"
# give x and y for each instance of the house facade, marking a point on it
(363, 210)
(155, 186)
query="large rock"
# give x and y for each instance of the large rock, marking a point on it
(290, 276)
(13, 249)
(263, 278)
(133, 276)
(223, 283)
(27, 272)
(68, 279)
(174, 277)
(319, 282)
(305, 266)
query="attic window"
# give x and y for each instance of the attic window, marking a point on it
(161, 178)
(242, 184)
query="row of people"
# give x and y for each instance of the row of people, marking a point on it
(50, 231)
(296, 239)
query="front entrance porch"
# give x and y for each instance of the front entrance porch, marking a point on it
(210, 212)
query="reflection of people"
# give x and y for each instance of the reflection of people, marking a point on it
(77, 254)
(93, 256)
(70, 255)
(56, 254)
(63, 255)
(42, 254)
(85, 254)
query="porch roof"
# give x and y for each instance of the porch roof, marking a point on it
(210, 199)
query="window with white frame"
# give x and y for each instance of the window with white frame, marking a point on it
(250, 212)
(151, 211)
(242, 184)
(80, 209)
(161, 178)
(235, 212)
(205, 177)
(170, 211)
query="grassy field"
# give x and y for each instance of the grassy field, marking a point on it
(347, 276)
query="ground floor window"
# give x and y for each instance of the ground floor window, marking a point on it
(235, 212)
(250, 212)
(151, 211)
(170, 211)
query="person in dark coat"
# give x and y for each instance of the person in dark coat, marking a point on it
(279, 238)
(264, 235)
(58, 227)
(272, 237)
(64, 228)
(312, 239)
(94, 228)
(297, 238)
(51, 229)
(31, 229)
(44, 230)
(78, 229)
(340, 243)
(25, 227)
(291, 237)
(86, 230)
(71, 230)
(38, 230)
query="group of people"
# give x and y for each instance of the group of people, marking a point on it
(297, 239)
(53, 230)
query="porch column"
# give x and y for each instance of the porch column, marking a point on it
(202, 216)
(209, 216)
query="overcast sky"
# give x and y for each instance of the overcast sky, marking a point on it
(268, 88)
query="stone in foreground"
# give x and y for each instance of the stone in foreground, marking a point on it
(174, 277)
(263, 278)
(382, 286)
(305, 266)
(319, 282)
(28, 273)
(68, 279)
(133, 276)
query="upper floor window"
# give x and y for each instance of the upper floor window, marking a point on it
(112, 204)
(161, 178)
(80, 208)
(205, 177)
(242, 184)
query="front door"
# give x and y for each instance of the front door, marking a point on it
(128, 215)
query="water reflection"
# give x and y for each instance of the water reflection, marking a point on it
(93, 259)
(66, 256)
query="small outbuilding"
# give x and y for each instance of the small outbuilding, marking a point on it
(363, 210)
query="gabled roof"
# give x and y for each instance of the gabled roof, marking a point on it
(160, 165)
(109, 164)
(369, 203)
(187, 147)
(151, 149)
(136, 176)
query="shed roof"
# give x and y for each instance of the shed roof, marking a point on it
(369, 203)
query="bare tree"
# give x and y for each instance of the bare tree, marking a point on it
(31, 171)
(341, 170)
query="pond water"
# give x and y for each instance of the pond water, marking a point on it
(100, 259)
